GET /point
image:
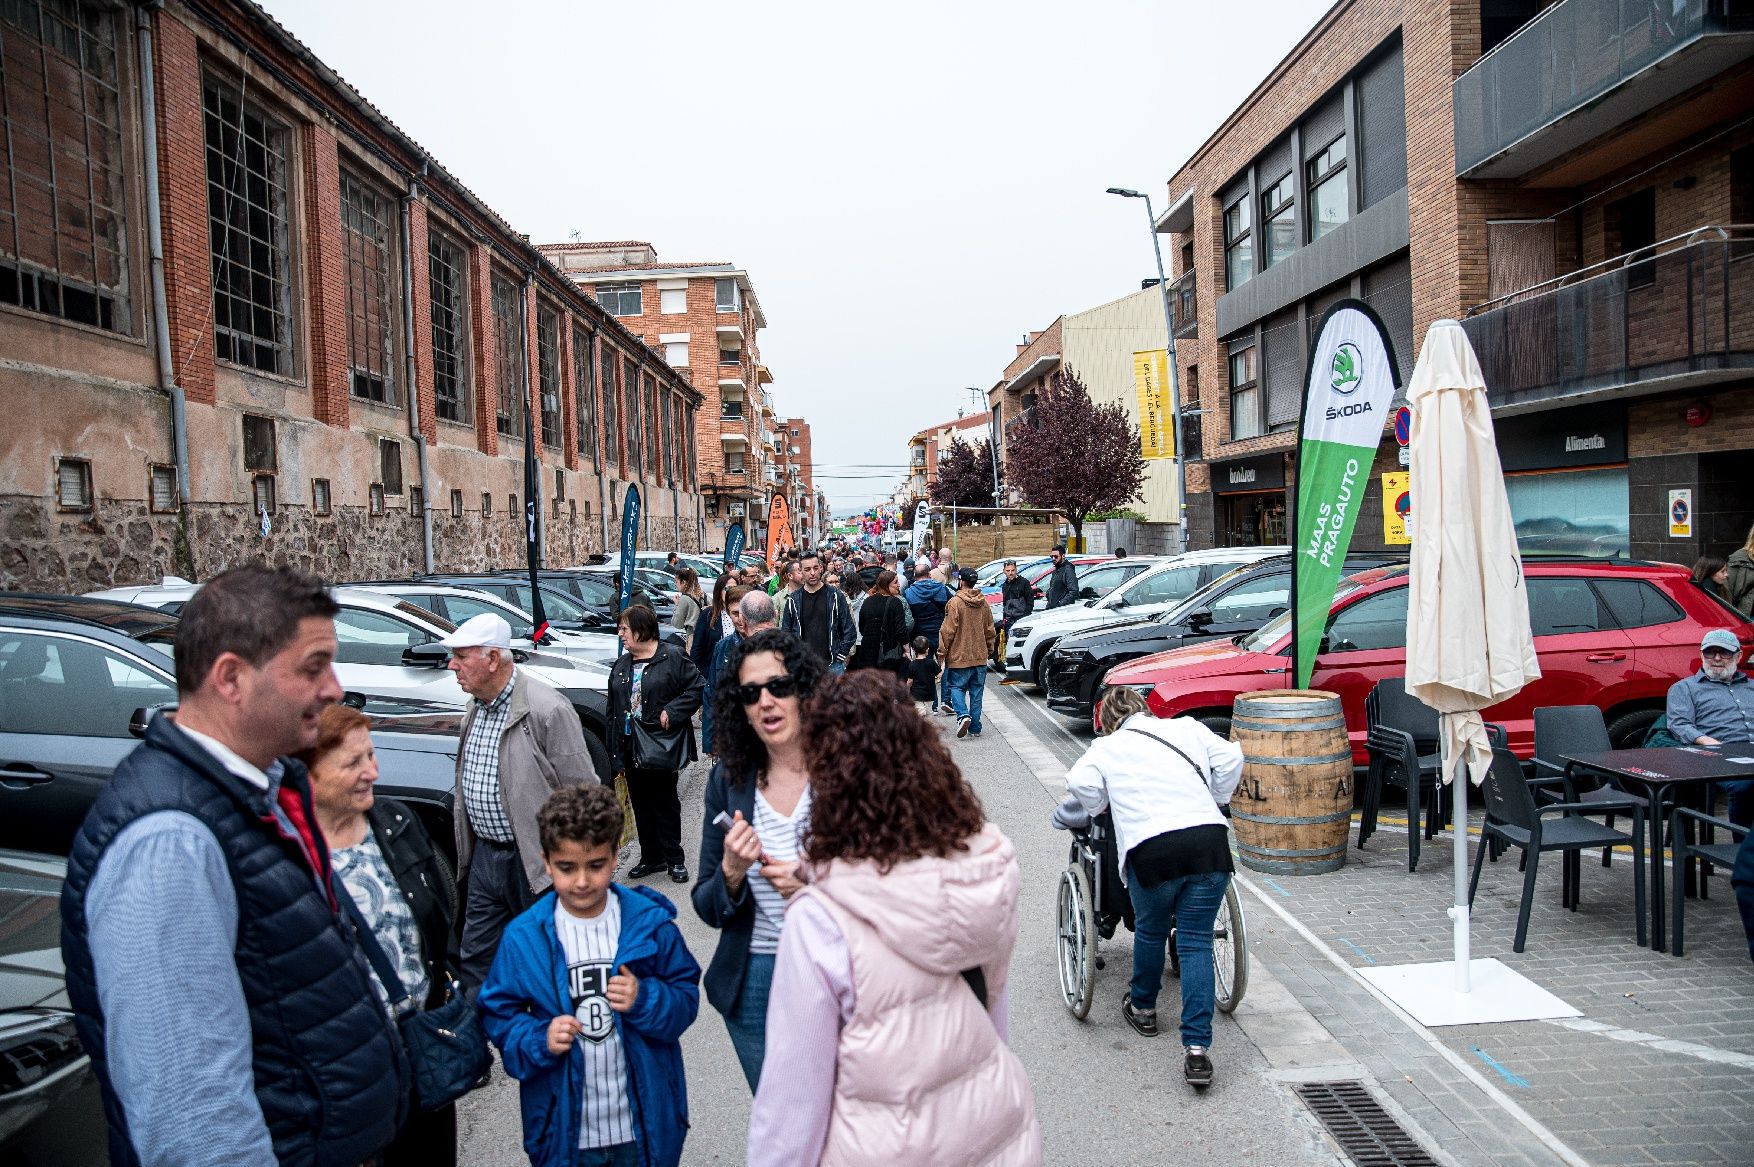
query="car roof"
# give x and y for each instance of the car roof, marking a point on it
(133, 620)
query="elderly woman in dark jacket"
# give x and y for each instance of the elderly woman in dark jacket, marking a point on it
(655, 683)
(748, 870)
(403, 887)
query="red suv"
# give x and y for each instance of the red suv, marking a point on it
(1613, 634)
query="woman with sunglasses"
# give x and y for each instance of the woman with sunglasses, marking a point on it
(748, 868)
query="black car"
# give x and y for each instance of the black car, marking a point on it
(1231, 605)
(80, 677)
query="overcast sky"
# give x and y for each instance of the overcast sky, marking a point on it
(911, 186)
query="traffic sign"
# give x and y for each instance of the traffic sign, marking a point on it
(1403, 425)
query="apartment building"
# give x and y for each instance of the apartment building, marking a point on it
(798, 476)
(1567, 179)
(246, 317)
(931, 445)
(704, 318)
(1030, 372)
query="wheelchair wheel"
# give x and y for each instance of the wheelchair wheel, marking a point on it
(1077, 941)
(1230, 953)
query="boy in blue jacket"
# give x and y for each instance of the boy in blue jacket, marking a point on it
(587, 1000)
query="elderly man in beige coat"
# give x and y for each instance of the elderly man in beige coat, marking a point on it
(520, 742)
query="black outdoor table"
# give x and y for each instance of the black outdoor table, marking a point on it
(1658, 775)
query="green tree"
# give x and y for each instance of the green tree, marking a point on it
(1074, 456)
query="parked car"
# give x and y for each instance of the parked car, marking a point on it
(1036, 571)
(1614, 635)
(80, 678)
(51, 1114)
(457, 604)
(1163, 585)
(1237, 602)
(389, 647)
(653, 587)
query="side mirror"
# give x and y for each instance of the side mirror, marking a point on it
(431, 655)
(1036, 592)
(353, 700)
(1199, 621)
(1087, 593)
(141, 718)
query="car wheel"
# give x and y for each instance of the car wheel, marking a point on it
(599, 753)
(1627, 731)
(1218, 723)
(1041, 665)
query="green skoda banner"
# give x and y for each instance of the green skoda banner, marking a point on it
(1346, 398)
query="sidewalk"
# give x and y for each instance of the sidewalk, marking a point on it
(1659, 1070)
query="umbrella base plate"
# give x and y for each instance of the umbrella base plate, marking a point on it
(1427, 992)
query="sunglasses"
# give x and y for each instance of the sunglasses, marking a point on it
(783, 685)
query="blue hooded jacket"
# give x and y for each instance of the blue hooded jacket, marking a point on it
(927, 598)
(526, 989)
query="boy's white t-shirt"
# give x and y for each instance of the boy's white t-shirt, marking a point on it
(606, 1118)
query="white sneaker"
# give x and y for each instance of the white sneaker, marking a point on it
(962, 724)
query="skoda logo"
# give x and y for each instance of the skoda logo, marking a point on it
(1344, 374)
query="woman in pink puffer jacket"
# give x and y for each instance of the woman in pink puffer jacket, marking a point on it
(893, 963)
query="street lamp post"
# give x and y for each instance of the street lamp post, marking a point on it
(992, 442)
(1179, 468)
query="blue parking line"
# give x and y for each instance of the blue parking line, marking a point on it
(1368, 959)
(1493, 1064)
(1274, 884)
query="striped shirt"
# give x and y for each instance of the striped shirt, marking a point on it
(779, 838)
(481, 766)
(605, 1117)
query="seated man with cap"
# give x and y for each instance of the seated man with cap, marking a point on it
(504, 775)
(1715, 706)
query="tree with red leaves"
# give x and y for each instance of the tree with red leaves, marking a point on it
(965, 476)
(1074, 456)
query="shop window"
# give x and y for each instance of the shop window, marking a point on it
(62, 239)
(162, 493)
(73, 485)
(320, 496)
(1580, 512)
(367, 220)
(247, 154)
(448, 286)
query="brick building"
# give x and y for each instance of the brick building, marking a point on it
(797, 472)
(1030, 372)
(1566, 179)
(704, 318)
(932, 445)
(348, 343)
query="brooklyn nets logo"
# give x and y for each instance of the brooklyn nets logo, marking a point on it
(589, 983)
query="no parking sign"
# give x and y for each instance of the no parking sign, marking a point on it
(1680, 514)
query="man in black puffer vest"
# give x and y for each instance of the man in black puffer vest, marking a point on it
(225, 1004)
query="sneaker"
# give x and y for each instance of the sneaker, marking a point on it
(641, 870)
(679, 872)
(962, 724)
(946, 711)
(1143, 1020)
(1197, 1067)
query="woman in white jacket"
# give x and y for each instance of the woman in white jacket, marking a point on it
(1164, 783)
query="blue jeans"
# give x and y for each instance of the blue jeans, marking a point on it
(747, 1020)
(1189, 903)
(1742, 879)
(1741, 801)
(620, 1155)
(967, 688)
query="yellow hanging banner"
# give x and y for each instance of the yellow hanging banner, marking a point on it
(1151, 379)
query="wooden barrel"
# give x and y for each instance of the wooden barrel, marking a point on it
(1292, 811)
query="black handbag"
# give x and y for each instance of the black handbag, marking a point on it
(655, 748)
(446, 1047)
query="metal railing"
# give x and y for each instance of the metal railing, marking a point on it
(1678, 307)
(1564, 59)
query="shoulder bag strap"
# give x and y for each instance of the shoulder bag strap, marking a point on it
(1198, 769)
(374, 952)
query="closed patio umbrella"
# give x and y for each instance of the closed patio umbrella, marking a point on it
(1468, 639)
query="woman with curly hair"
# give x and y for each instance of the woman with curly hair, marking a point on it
(893, 963)
(748, 870)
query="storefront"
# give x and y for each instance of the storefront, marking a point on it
(1250, 509)
(1565, 471)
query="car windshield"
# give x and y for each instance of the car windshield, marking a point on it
(1268, 634)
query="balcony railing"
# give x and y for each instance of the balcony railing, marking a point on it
(1679, 310)
(1581, 69)
(1185, 304)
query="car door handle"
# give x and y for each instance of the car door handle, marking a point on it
(24, 772)
(1598, 658)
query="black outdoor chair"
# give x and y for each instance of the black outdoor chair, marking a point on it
(1574, 729)
(1513, 818)
(1704, 848)
(1401, 735)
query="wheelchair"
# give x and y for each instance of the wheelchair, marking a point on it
(1092, 902)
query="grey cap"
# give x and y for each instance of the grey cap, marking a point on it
(1721, 638)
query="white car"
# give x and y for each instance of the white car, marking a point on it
(457, 604)
(389, 647)
(1166, 584)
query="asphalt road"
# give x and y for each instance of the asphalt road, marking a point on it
(1104, 1095)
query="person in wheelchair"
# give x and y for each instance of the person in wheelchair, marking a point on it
(1167, 786)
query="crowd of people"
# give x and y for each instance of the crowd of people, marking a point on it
(252, 936)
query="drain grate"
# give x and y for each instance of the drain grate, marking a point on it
(1364, 1130)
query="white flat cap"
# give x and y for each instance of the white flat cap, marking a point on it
(483, 631)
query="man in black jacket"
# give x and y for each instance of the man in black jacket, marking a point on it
(1063, 584)
(1017, 599)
